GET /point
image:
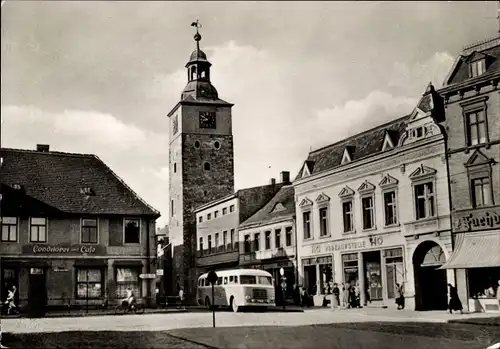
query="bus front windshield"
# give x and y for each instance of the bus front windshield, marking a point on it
(254, 280)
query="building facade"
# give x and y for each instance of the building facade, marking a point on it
(201, 165)
(472, 122)
(218, 224)
(373, 210)
(268, 240)
(72, 231)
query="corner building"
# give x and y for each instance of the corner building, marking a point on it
(73, 233)
(201, 166)
(472, 122)
(373, 210)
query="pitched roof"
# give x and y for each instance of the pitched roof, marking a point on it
(58, 180)
(252, 199)
(267, 214)
(360, 146)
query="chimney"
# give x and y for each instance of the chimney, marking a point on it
(285, 177)
(273, 181)
(44, 148)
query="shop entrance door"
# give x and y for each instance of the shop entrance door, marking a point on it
(310, 279)
(37, 295)
(373, 272)
(430, 282)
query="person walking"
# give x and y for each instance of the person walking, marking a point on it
(400, 300)
(345, 295)
(357, 296)
(11, 300)
(181, 297)
(336, 296)
(455, 303)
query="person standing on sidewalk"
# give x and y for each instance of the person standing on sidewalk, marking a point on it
(181, 297)
(400, 301)
(455, 303)
(336, 296)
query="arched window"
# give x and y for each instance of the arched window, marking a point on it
(193, 73)
(203, 74)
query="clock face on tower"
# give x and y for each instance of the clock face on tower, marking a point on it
(207, 119)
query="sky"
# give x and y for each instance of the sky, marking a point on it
(100, 77)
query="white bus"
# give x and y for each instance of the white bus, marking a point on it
(237, 288)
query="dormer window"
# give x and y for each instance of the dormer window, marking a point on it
(346, 157)
(477, 67)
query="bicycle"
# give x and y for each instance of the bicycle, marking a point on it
(125, 308)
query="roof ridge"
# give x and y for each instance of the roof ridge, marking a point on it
(378, 127)
(126, 186)
(51, 152)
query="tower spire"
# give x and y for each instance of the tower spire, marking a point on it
(197, 36)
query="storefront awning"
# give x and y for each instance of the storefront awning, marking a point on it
(475, 250)
(128, 263)
(91, 262)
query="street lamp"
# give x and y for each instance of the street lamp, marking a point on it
(283, 285)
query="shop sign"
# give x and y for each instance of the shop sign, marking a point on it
(159, 272)
(347, 245)
(478, 219)
(60, 269)
(63, 249)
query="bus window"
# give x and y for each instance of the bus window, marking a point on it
(202, 282)
(248, 280)
(231, 279)
(225, 280)
(219, 280)
(236, 279)
(265, 280)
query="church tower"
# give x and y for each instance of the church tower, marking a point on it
(201, 163)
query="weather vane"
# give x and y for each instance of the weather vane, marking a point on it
(196, 24)
(197, 36)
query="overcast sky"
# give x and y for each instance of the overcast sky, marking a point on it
(100, 77)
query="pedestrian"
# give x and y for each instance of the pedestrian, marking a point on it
(11, 300)
(345, 295)
(336, 296)
(352, 297)
(181, 297)
(357, 296)
(400, 300)
(455, 303)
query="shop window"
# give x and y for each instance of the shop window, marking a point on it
(288, 236)
(257, 241)
(9, 229)
(132, 231)
(127, 278)
(323, 220)
(348, 216)
(306, 217)
(232, 247)
(481, 191)
(247, 247)
(268, 240)
(89, 283)
(390, 208)
(476, 127)
(424, 200)
(201, 246)
(89, 231)
(394, 270)
(38, 229)
(350, 268)
(277, 238)
(326, 278)
(483, 282)
(210, 244)
(368, 212)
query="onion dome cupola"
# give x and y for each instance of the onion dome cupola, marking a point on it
(198, 69)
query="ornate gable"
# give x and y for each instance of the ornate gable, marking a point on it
(422, 171)
(346, 192)
(278, 208)
(322, 198)
(366, 187)
(477, 158)
(305, 202)
(388, 181)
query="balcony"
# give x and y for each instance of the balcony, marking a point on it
(270, 254)
(476, 219)
(220, 255)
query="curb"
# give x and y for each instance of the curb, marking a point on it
(476, 323)
(192, 341)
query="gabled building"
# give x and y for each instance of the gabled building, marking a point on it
(218, 224)
(72, 231)
(373, 210)
(267, 239)
(472, 99)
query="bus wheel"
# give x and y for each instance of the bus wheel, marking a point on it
(234, 306)
(207, 303)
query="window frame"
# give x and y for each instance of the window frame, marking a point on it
(82, 228)
(475, 64)
(231, 208)
(277, 238)
(247, 243)
(324, 222)
(9, 225)
(101, 281)
(200, 240)
(224, 240)
(352, 215)
(309, 224)
(46, 225)
(288, 230)
(370, 196)
(395, 205)
(267, 239)
(138, 269)
(232, 239)
(415, 184)
(209, 244)
(256, 239)
(473, 106)
(480, 171)
(125, 219)
(224, 211)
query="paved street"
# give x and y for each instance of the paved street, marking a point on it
(160, 322)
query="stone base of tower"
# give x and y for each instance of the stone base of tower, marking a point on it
(181, 273)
